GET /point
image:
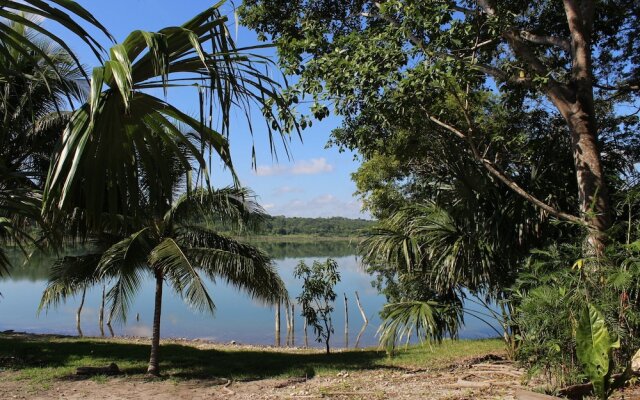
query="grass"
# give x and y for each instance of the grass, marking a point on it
(40, 360)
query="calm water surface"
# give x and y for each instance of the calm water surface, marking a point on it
(236, 317)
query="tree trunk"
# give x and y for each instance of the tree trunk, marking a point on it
(592, 190)
(579, 111)
(154, 367)
(575, 103)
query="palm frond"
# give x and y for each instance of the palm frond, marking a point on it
(169, 258)
(238, 264)
(230, 207)
(453, 250)
(69, 275)
(104, 144)
(428, 320)
(61, 12)
(125, 263)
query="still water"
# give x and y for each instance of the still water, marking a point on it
(237, 318)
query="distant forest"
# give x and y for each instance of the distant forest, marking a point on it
(334, 226)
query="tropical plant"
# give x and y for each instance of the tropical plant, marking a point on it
(440, 65)
(65, 13)
(430, 320)
(317, 296)
(31, 124)
(176, 246)
(594, 345)
(114, 137)
(466, 248)
(556, 296)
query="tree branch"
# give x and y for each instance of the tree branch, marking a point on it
(487, 8)
(546, 40)
(495, 171)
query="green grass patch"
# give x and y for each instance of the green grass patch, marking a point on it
(40, 360)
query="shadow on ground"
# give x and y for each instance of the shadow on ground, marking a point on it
(22, 352)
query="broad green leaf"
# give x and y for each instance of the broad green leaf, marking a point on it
(593, 348)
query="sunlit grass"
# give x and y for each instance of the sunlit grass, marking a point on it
(40, 360)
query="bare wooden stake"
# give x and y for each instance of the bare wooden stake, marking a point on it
(109, 324)
(364, 326)
(278, 325)
(306, 339)
(346, 321)
(84, 292)
(101, 314)
(288, 319)
(293, 330)
(364, 316)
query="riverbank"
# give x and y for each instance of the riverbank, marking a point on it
(43, 366)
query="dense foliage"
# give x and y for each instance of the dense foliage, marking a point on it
(491, 133)
(332, 227)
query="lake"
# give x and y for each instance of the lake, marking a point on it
(237, 318)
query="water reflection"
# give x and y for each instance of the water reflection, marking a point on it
(237, 317)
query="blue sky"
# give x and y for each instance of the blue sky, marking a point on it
(315, 182)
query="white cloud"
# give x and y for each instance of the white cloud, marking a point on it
(266, 170)
(312, 167)
(303, 167)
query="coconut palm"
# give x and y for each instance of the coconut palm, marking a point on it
(31, 124)
(110, 139)
(64, 13)
(178, 248)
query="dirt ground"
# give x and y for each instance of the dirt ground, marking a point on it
(478, 380)
(488, 378)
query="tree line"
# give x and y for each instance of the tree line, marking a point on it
(330, 227)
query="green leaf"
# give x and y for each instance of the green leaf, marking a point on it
(594, 346)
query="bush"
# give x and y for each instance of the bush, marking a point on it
(554, 291)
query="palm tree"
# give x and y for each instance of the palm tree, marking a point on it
(178, 248)
(467, 242)
(31, 124)
(110, 139)
(64, 13)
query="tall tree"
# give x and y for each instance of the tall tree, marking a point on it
(444, 63)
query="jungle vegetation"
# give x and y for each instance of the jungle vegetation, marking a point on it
(499, 149)
(498, 143)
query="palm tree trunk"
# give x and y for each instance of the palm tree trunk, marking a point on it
(154, 367)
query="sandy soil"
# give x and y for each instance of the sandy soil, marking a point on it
(488, 378)
(477, 380)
